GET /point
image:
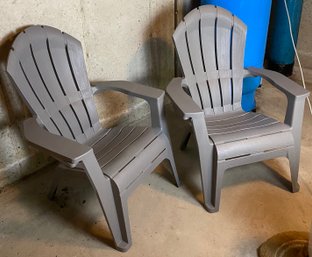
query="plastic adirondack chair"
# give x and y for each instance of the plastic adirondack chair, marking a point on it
(210, 43)
(48, 67)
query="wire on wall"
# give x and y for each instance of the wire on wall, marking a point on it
(296, 53)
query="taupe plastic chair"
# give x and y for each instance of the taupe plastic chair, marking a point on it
(48, 67)
(210, 43)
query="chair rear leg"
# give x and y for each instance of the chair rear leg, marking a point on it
(293, 158)
(114, 207)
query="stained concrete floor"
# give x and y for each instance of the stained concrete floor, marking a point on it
(165, 220)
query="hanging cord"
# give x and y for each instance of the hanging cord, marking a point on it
(297, 56)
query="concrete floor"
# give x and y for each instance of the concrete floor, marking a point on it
(165, 220)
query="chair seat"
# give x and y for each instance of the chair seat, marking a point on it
(120, 147)
(244, 134)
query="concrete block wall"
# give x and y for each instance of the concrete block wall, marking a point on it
(122, 40)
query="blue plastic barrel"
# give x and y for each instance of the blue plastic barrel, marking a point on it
(255, 14)
(280, 51)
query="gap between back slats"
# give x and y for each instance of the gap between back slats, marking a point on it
(180, 37)
(194, 45)
(75, 112)
(223, 44)
(25, 50)
(238, 50)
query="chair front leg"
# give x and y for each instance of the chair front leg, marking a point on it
(211, 180)
(293, 158)
(113, 206)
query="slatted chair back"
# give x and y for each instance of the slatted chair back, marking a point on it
(210, 43)
(49, 70)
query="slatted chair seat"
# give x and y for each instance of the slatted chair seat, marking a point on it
(48, 68)
(243, 126)
(210, 42)
(244, 134)
(119, 147)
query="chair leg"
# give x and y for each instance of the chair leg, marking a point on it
(206, 169)
(212, 178)
(121, 203)
(113, 205)
(217, 187)
(211, 174)
(293, 157)
(205, 172)
(170, 157)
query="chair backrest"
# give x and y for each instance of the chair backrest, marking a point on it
(210, 42)
(48, 68)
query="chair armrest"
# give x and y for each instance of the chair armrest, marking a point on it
(129, 88)
(281, 82)
(295, 95)
(183, 101)
(59, 147)
(154, 96)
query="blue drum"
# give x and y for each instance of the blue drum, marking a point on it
(280, 49)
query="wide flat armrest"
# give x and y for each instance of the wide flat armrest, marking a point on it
(61, 148)
(183, 101)
(295, 95)
(129, 88)
(281, 82)
(154, 96)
